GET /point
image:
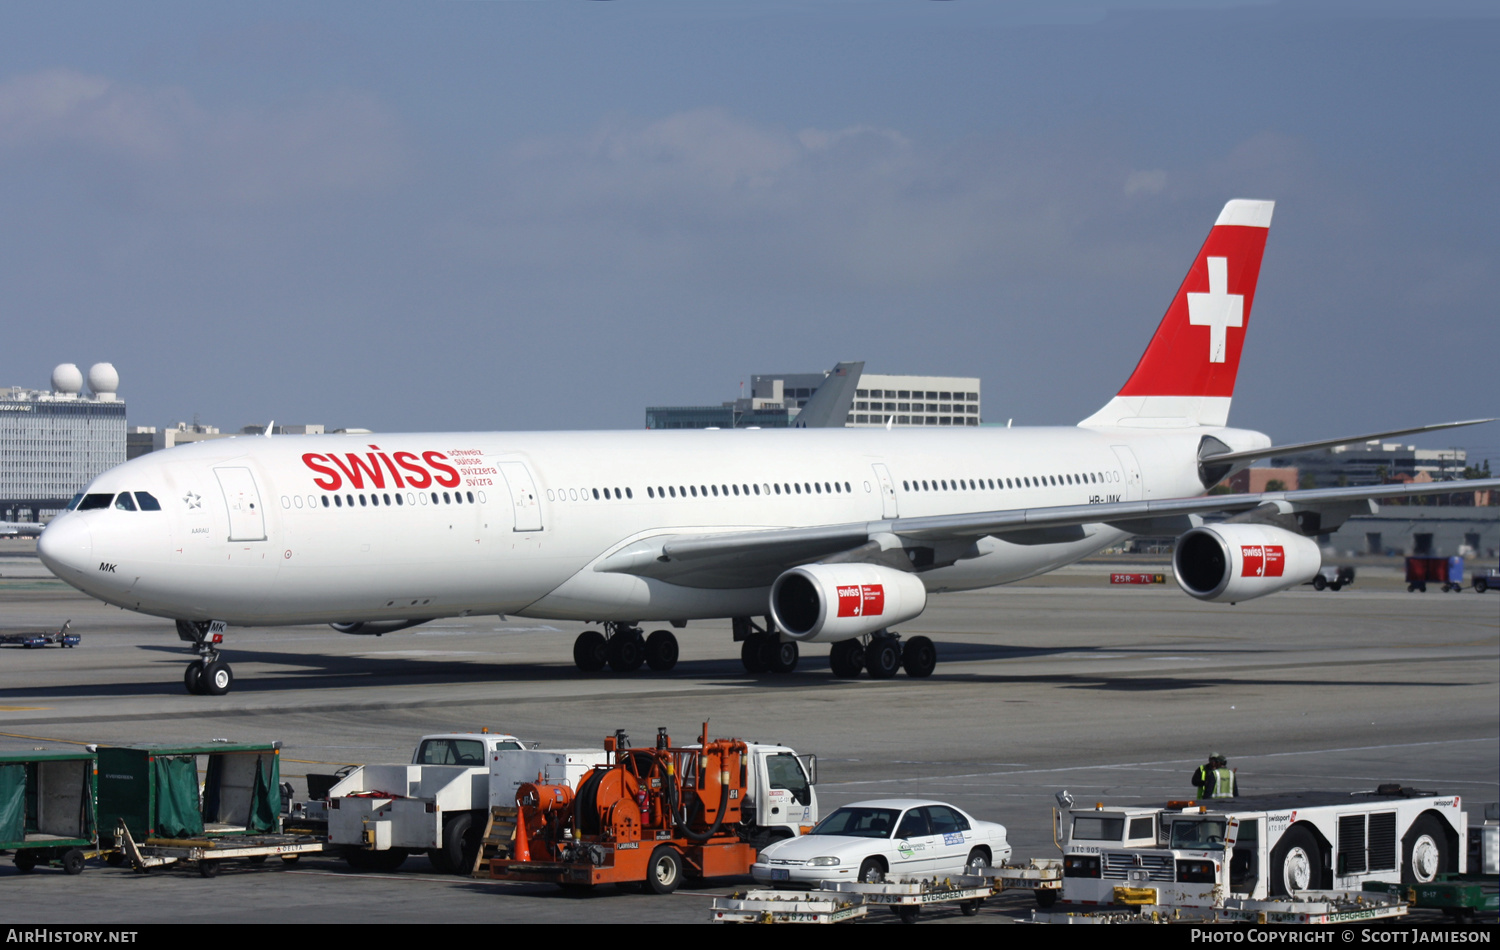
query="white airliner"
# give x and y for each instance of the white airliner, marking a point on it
(831, 535)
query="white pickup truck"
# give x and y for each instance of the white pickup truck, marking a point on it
(438, 804)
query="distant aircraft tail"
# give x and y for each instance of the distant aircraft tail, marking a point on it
(1186, 377)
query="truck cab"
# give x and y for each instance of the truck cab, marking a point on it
(1191, 854)
(462, 748)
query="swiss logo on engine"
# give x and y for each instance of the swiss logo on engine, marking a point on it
(862, 600)
(1263, 560)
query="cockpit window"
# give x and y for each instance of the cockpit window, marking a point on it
(147, 501)
(124, 502)
(74, 502)
(92, 501)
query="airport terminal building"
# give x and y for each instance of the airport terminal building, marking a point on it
(52, 443)
(776, 398)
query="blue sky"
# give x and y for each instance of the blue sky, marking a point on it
(518, 215)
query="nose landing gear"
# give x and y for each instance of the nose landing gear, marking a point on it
(209, 675)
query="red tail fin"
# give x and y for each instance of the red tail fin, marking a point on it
(1187, 373)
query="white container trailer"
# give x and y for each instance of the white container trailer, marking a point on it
(378, 814)
(1258, 847)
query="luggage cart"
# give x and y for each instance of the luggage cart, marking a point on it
(787, 907)
(209, 854)
(48, 812)
(153, 792)
(1041, 876)
(906, 896)
(1447, 571)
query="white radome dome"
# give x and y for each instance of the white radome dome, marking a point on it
(103, 379)
(67, 378)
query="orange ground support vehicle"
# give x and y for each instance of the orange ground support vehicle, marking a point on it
(651, 815)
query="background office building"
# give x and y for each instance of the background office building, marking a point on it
(52, 443)
(1374, 463)
(776, 399)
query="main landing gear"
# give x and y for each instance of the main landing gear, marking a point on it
(882, 653)
(624, 649)
(209, 675)
(762, 650)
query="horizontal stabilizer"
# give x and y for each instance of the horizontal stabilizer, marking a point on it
(1251, 455)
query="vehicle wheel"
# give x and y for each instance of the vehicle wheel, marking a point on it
(192, 678)
(779, 656)
(1296, 863)
(908, 915)
(627, 651)
(871, 871)
(290, 859)
(25, 861)
(1319, 583)
(750, 653)
(661, 651)
(1410, 588)
(590, 651)
(208, 868)
(665, 871)
(1335, 586)
(72, 861)
(1045, 897)
(1481, 585)
(969, 908)
(217, 678)
(115, 859)
(847, 658)
(256, 859)
(882, 658)
(461, 843)
(919, 657)
(1424, 852)
(978, 858)
(439, 860)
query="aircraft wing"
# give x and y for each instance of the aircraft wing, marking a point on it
(755, 558)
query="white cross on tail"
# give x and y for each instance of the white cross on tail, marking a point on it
(1218, 309)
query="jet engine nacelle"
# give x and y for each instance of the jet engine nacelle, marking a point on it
(823, 603)
(1234, 562)
(374, 628)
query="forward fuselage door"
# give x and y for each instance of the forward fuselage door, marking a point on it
(523, 499)
(888, 507)
(247, 521)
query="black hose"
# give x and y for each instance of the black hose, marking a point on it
(718, 824)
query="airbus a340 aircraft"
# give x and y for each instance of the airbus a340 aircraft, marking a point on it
(831, 535)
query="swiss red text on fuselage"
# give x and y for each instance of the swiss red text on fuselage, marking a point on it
(378, 469)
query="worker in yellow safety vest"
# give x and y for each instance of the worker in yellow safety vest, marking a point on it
(1216, 779)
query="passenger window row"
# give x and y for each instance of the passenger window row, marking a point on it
(765, 488)
(387, 499)
(705, 491)
(583, 494)
(141, 501)
(997, 484)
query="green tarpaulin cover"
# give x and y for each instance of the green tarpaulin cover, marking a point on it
(12, 802)
(177, 814)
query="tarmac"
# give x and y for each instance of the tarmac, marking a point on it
(1115, 693)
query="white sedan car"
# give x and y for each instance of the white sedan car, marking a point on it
(886, 837)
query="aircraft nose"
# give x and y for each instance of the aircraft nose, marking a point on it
(66, 545)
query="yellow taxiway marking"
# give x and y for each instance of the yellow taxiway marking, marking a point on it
(22, 708)
(16, 735)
